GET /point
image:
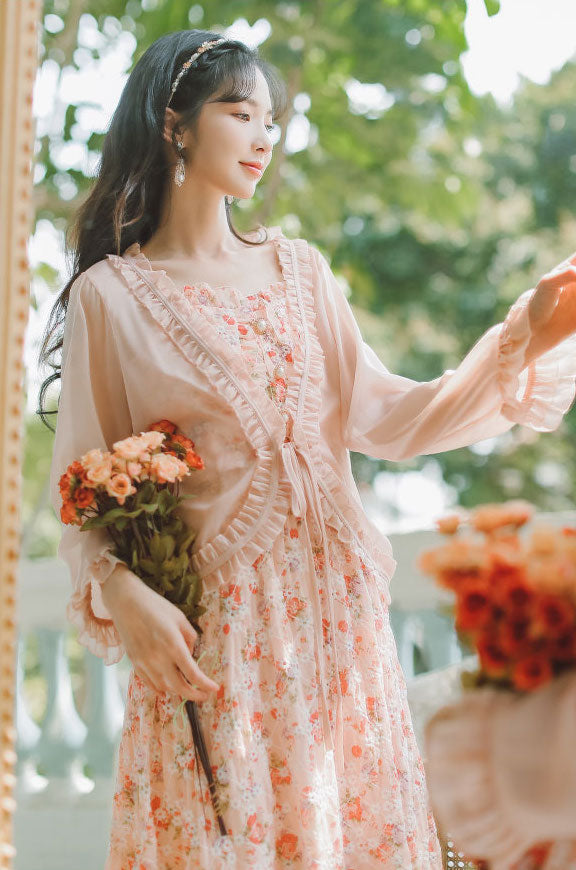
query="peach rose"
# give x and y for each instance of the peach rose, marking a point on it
(449, 524)
(120, 486)
(151, 440)
(167, 468)
(134, 469)
(99, 472)
(488, 518)
(130, 448)
(544, 541)
(94, 457)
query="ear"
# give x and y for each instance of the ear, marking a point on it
(170, 119)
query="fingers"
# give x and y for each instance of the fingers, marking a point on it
(557, 279)
(191, 672)
(183, 687)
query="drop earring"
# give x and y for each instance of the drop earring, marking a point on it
(180, 173)
(229, 199)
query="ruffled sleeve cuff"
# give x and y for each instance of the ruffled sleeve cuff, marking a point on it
(463, 789)
(539, 395)
(88, 613)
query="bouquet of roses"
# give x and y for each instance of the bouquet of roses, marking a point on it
(133, 492)
(515, 603)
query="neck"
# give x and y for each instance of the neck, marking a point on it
(193, 225)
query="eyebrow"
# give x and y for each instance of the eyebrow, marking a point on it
(252, 102)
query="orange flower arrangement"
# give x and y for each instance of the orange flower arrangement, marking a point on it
(515, 597)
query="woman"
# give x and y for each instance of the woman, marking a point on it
(251, 348)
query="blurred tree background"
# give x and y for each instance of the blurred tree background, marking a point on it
(437, 208)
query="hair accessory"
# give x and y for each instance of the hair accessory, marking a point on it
(204, 47)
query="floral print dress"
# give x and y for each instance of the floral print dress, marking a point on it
(305, 655)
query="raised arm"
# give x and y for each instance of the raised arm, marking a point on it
(92, 412)
(388, 416)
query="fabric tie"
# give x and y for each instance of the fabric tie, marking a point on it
(306, 495)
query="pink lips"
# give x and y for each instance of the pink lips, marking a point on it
(256, 170)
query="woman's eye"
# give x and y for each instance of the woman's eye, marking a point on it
(269, 127)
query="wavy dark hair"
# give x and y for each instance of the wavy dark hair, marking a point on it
(124, 203)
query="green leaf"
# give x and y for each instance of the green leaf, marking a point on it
(492, 7)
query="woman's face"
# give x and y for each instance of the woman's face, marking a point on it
(227, 136)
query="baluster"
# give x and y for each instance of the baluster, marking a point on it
(63, 732)
(441, 647)
(407, 628)
(27, 735)
(104, 717)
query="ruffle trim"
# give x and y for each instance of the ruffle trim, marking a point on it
(550, 384)
(97, 634)
(463, 790)
(350, 522)
(262, 515)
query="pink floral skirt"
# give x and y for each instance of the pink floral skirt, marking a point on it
(287, 800)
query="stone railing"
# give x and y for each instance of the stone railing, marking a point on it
(66, 763)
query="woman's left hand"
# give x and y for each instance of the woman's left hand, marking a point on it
(552, 309)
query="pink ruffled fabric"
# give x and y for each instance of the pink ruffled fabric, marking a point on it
(546, 386)
(496, 785)
(261, 516)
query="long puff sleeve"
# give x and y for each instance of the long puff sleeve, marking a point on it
(391, 417)
(92, 412)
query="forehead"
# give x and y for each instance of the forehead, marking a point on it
(260, 97)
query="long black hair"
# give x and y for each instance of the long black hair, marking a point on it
(124, 204)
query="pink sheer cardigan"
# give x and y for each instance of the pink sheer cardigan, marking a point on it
(135, 350)
(501, 773)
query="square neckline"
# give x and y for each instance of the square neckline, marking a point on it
(134, 250)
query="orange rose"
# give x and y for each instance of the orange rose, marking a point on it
(64, 484)
(532, 672)
(563, 647)
(163, 426)
(553, 615)
(68, 514)
(473, 608)
(120, 486)
(83, 497)
(493, 659)
(193, 460)
(514, 637)
(514, 596)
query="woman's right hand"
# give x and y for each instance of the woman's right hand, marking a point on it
(157, 637)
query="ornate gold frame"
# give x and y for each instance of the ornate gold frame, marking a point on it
(19, 42)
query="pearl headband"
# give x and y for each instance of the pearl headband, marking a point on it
(204, 47)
